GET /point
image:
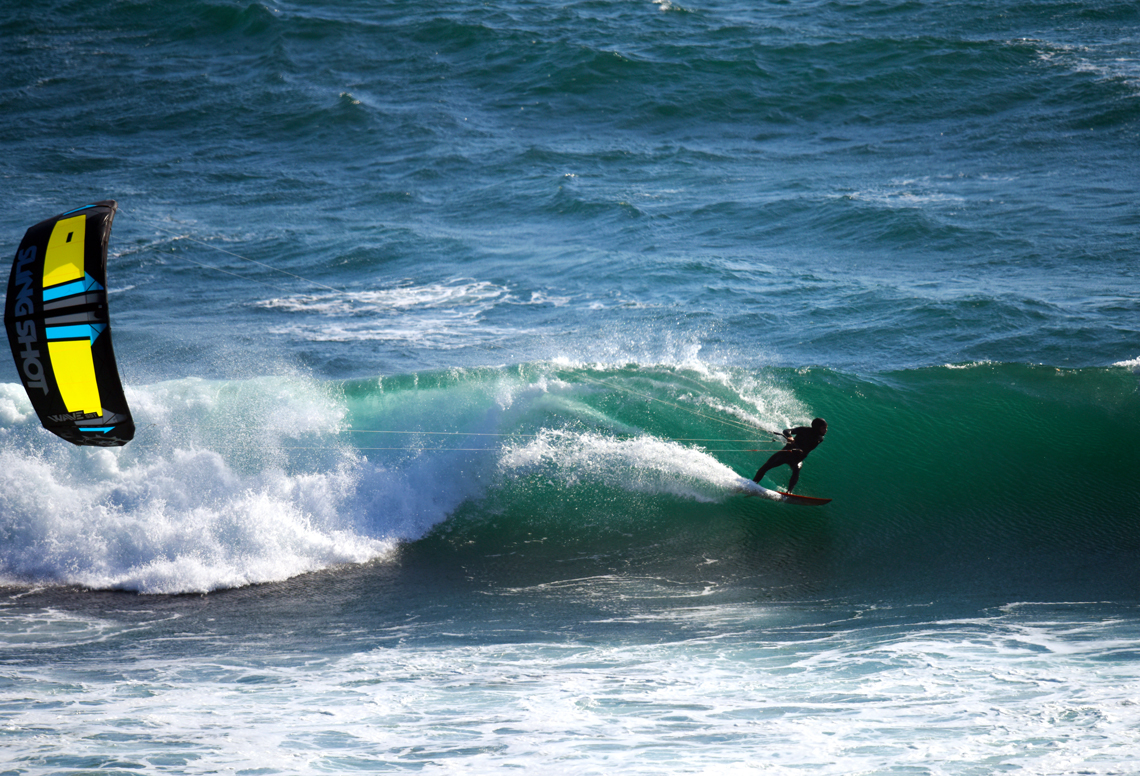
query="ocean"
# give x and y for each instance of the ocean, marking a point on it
(448, 330)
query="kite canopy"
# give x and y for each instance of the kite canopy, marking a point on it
(58, 327)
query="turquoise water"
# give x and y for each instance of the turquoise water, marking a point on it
(449, 330)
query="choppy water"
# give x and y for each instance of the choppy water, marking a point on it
(448, 329)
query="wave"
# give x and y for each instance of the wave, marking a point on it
(237, 483)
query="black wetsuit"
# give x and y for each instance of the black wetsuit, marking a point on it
(804, 440)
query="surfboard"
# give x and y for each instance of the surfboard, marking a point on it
(750, 488)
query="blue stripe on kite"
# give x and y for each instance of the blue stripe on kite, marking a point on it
(67, 289)
(71, 289)
(69, 212)
(83, 330)
(97, 430)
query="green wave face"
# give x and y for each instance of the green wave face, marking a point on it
(1011, 478)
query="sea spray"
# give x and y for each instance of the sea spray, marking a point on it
(229, 484)
(642, 465)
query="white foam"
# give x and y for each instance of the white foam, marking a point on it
(455, 294)
(211, 494)
(643, 464)
(15, 409)
(907, 193)
(1103, 61)
(446, 315)
(939, 698)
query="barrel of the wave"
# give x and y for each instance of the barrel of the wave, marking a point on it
(59, 328)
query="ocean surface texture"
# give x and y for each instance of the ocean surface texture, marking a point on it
(449, 329)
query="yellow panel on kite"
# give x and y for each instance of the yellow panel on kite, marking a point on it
(63, 259)
(75, 375)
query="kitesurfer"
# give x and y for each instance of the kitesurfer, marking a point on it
(801, 441)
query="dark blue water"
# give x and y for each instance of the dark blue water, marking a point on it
(448, 329)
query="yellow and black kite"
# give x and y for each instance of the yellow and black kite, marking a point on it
(58, 327)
